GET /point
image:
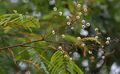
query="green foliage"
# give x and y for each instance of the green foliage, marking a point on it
(12, 21)
(31, 53)
(61, 63)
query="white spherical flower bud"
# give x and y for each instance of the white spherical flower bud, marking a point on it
(68, 17)
(96, 29)
(59, 47)
(108, 38)
(83, 26)
(65, 56)
(68, 23)
(90, 52)
(53, 32)
(107, 42)
(77, 17)
(87, 24)
(70, 58)
(79, 13)
(78, 38)
(84, 8)
(78, 5)
(102, 46)
(83, 21)
(103, 57)
(60, 13)
(54, 9)
(96, 37)
(72, 28)
(63, 35)
(83, 45)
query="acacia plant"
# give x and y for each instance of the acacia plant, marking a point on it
(32, 46)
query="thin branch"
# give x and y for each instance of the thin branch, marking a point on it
(30, 42)
(22, 45)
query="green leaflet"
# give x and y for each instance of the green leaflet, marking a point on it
(36, 59)
(70, 5)
(71, 39)
(63, 65)
(13, 21)
(79, 42)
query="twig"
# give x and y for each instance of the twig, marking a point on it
(21, 45)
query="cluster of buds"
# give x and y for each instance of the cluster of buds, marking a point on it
(85, 24)
(60, 12)
(108, 40)
(83, 32)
